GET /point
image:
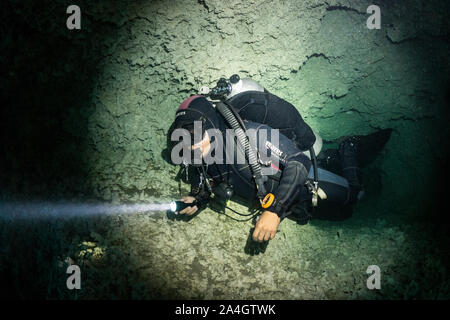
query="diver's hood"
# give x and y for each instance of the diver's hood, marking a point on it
(198, 108)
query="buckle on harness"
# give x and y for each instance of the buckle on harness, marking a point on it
(316, 192)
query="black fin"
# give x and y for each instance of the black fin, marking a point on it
(371, 145)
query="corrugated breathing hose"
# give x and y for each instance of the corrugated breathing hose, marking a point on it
(226, 111)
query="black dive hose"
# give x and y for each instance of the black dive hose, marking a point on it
(226, 111)
(314, 161)
(314, 189)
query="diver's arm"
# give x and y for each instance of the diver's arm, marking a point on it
(189, 210)
(292, 180)
(202, 197)
(266, 227)
(199, 193)
(201, 200)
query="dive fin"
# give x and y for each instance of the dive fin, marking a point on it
(369, 146)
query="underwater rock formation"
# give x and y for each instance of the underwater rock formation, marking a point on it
(86, 115)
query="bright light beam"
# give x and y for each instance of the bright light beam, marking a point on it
(66, 209)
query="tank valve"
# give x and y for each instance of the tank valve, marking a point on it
(204, 90)
(234, 78)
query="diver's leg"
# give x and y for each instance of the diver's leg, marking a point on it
(336, 206)
(301, 212)
(348, 153)
(330, 160)
(327, 209)
(344, 162)
(353, 153)
(369, 146)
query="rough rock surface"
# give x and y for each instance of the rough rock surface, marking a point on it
(99, 102)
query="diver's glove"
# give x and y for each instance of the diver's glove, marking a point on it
(202, 198)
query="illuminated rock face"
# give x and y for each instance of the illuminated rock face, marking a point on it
(86, 112)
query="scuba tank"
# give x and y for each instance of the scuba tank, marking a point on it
(226, 89)
(223, 92)
(219, 96)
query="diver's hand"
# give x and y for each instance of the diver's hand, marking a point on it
(188, 210)
(266, 227)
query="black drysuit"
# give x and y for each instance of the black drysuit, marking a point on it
(286, 179)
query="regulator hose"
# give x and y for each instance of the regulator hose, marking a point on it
(314, 162)
(315, 188)
(238, 126)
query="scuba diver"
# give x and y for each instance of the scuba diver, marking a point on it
(289, 176)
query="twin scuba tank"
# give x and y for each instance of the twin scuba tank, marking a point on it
(219, 96)
(228, 88)
(222, 92)
(225, 89)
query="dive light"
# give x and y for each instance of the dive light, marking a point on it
(177, 206)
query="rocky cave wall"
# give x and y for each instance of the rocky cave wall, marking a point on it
(124, 73)
(87, 111)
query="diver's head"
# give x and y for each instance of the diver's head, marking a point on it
(196, 144)
(196, 108)
(194, 116)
